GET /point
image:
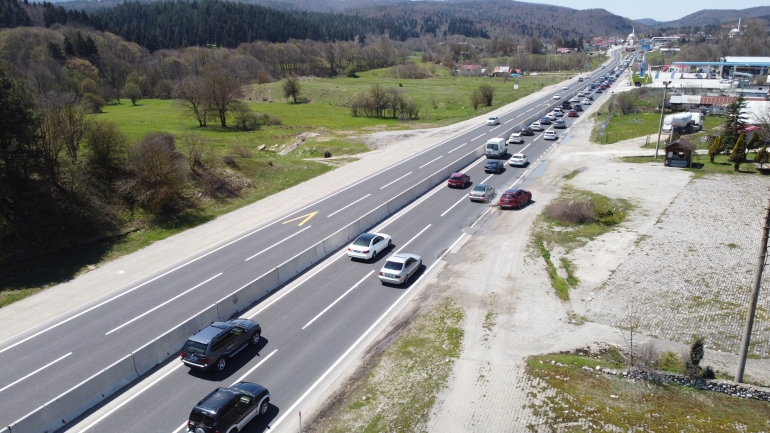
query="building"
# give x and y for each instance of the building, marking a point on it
(470, 70)
(562, 50)
(632, 39)
(736, 31)
(501, 71)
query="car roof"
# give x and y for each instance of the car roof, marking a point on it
(518, 154)
(457, 174)
(366, 236)
(250, 388)
(208, 333)
(401, 257)
(216, 399)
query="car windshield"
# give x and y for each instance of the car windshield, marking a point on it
(363, 241)
(194, 347)
(393, 266)
(492, 118)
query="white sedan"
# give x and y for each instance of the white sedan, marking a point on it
(518, 160)
(585, 102)
(368, 245)
(493, 121)
(556, 96)
(565, 88)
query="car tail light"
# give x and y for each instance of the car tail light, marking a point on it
(398, 277)
(182, 354)
(205, 360)
(483, 196)
(382, 273)
(366, 251)
(350, 249)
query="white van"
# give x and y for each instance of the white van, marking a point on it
(496, 148)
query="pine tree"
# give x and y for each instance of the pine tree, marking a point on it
(755, 142)
(738, 154)
(762, 156)
(734, 123)
(715, 148)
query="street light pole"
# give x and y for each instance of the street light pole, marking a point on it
(662, 108)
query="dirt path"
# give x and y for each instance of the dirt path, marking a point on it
(511, 309)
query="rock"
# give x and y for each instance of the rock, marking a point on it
(262, 147)
(613, 396)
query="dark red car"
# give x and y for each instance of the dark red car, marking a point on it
(526, 131)
(572, 113)
(458, 180)
(515, 198)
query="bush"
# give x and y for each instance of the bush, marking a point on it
(410, 71)
(242, 151)
(350, 72)
(487, 93)
(93, 102)
(571, 212)
(670, 361)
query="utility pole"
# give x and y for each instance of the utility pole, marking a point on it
(754, 297)
(662, 109)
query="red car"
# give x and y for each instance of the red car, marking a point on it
(515, 198)
(458, 180)
(572, 113)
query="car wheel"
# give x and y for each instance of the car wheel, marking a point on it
(263, 408)
(388, 244)
(221, 364)
(255, 338)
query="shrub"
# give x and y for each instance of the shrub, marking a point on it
(715, 148)
(670, 361)
(487, 94)
(738, 155)
(571, 212)
(762, 156)
(242, 151)
(409, 71)
(350, 72)
(93, 102)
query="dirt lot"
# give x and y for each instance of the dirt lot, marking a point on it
(683, 257)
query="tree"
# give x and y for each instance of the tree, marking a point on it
(738, 155)
(191, 97)
(533, 45)
(221, 90)
(55, 51)
(476, 99)
(65, 120)
(105, 148)
(756, 141)
(245, 118)
(487, 93)
(132, 91)
(735, 120)
(715, 148)
(291, 88)
(762, 156)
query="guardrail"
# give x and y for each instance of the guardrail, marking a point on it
(71, 404)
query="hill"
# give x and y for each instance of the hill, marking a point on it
(649, 22)
(715, 17)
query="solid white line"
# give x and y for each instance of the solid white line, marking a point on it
(413, 238)
(277, 243)
(161, 305)
(291, 409)
(122, 294)
(113, 410)
(351, 204)
(240, 379)
(478, 136)
(338, 299)
(482, 215)
(391, 183)
(430, 161)
(457, 147)
(36, 371)
(452, 207)
(286, 292)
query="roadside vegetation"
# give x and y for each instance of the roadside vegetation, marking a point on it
(397, 388)
(570, 221)
(576, 396)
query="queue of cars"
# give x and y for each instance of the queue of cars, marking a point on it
(230, 409)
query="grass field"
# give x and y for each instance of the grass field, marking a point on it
(444, 100)
(702, 165)
(578, 399)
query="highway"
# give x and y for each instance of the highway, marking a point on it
(307, 325)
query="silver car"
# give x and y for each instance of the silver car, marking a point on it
(399, 268)
(481, 192)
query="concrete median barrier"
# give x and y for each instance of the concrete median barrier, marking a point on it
(295, 265)
(73, 403)
(341, 237)
(241, 299)
(170, 343)
(371, 219)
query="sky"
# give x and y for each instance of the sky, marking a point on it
(656, 9)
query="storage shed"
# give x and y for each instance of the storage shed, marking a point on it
(679, 153)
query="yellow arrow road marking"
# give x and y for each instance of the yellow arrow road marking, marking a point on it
(306, 218)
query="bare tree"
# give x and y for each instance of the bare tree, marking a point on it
(221, 91)
(191, 96)
(629, 327)
(194, 146)
(66, 121)
(487, 93)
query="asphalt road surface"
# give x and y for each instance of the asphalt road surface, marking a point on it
(306, 330)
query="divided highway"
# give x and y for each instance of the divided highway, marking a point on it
(307, 326)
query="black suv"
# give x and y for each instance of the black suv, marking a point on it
(229, 409)
(212, 345)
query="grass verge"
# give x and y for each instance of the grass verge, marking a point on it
(577, 399)
(398, 391)
(701, 164)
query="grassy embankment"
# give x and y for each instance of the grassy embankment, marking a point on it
(578, 399)
(444, 100)
(397, 388)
